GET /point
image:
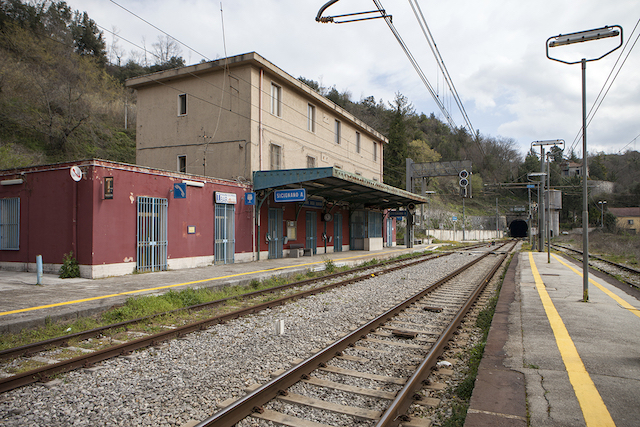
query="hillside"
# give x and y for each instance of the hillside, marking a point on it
(61, 99)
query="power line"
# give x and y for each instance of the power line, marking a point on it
(440, 61)
(159, 29)
(596, 105)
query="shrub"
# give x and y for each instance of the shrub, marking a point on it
(70, 267)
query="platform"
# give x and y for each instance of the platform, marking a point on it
(553, 360)
(23, 304)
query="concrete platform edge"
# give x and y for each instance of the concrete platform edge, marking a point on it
(499, 394)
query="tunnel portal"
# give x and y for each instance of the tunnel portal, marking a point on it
(518, 228)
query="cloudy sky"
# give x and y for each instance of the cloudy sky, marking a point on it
(494, 51)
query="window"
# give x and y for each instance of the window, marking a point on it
(311, 118)
(276, 157)
(630, 222)
(182, 104)
(311, 162)
(182, 164)
(338, 131)
(276, 99)
(375, 151)
(10, 223)
(357, 142)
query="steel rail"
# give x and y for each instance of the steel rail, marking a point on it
(396, 412)
(30, 349)
(253, 402)
(606, 261)
(45, 372)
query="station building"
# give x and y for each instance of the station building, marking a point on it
(118, 218)
(245, 119)
(237, 161)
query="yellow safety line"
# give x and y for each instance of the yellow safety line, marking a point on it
(619, 300)
(593, 408)
(59, 304)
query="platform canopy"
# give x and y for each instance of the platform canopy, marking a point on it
(336, 186)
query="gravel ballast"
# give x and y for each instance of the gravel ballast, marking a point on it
(186, 379)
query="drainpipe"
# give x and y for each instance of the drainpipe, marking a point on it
(260, 120)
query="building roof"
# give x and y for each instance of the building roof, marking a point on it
(251, 58)
(622, 212)
(336, 185)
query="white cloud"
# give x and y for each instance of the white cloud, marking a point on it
(494, 51)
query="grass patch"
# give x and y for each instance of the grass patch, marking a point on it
(147, 305)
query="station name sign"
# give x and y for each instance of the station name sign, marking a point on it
(296, 195)
(226, 198)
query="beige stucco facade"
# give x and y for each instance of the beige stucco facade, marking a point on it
(230, 117)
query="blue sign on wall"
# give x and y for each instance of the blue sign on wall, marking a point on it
(250, 199)
(297, 195)
(397, 214)
(179, 190)
(313, 203)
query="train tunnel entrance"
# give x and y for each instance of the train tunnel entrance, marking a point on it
(518, 228)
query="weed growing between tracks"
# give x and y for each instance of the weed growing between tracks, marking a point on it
(459, 394)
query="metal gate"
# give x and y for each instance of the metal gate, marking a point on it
(312, 232)
(275, 233)
(225, 234)
(152, 234)
(337, 233)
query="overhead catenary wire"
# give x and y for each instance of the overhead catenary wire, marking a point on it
(415, 65)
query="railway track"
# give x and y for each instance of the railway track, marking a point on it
(70, 348)
(624, 273)
(373, 374)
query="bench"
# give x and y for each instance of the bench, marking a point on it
(296, 250)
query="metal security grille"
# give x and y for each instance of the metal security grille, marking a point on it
(225, 234)
(311, 241)
(375, 224)
(357, 231)
(152, 234)
(337, 233)
(275, 233)
(10, 224)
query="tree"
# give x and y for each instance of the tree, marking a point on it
(531, 164)
(397, 149)
(88, 38)
(165, 50)
(597, 169)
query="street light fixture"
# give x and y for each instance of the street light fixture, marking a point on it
(563, 40)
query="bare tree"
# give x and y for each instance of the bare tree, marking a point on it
(165, 49)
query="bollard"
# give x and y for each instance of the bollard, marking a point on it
(279, 327)
(39, 269)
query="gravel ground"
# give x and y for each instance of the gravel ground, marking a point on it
(187, 378)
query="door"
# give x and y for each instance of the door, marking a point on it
(311, 240)
(357, 231)
(389, 232)
(152, 234)
(337, 233)
(225, 239)
(274, 233)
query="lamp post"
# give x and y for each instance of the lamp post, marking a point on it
(548, 202)
(563, 40)
(602, 203)
(541, 202)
